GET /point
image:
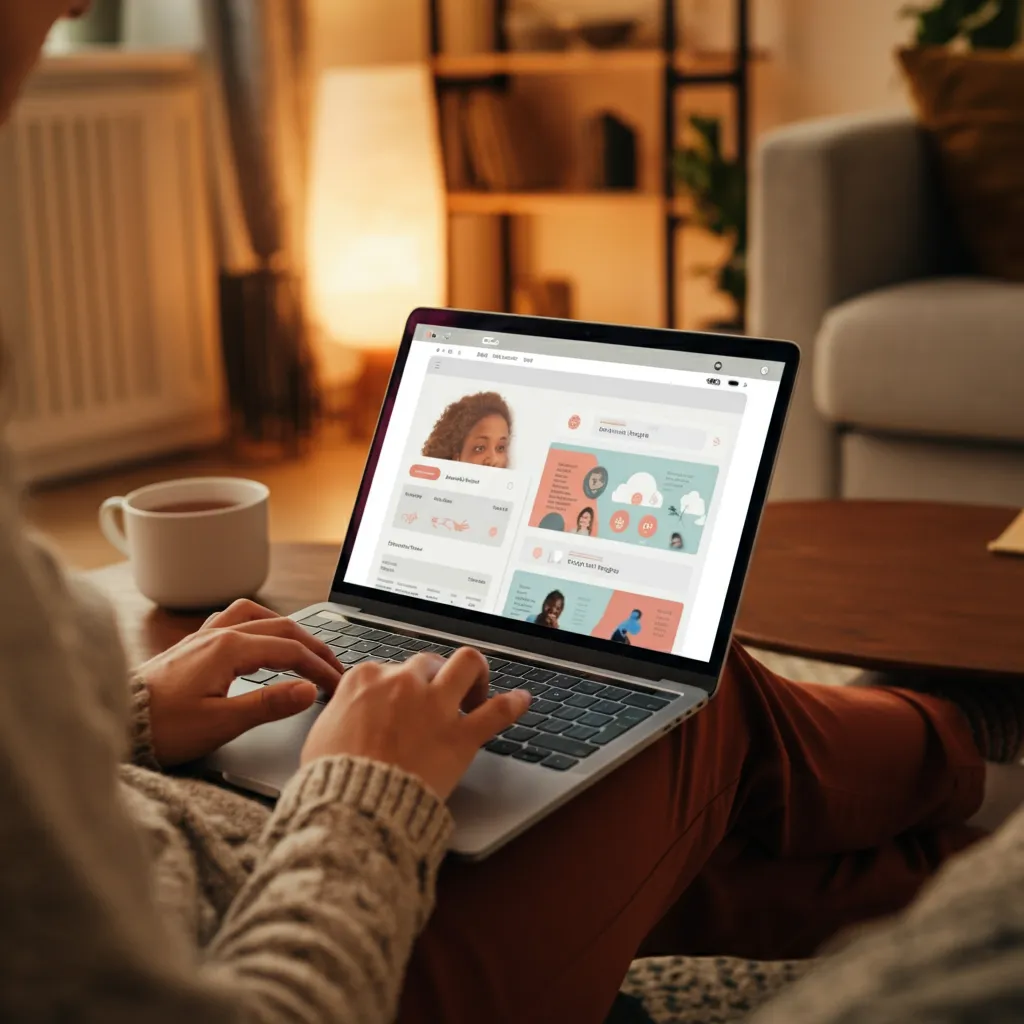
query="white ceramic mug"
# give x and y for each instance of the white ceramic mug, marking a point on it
(193, 558)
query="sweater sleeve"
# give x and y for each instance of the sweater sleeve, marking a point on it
(322, 931)
(140, 738)
(325, 926)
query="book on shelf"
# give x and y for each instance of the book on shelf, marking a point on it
(610, 154)
(491, 143)
(458, 173)
(491, 152)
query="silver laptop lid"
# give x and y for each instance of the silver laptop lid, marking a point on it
(583, 490)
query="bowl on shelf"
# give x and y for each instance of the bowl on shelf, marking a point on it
(608, 33)
(530, 32)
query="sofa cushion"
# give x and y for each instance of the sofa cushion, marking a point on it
(941, 357)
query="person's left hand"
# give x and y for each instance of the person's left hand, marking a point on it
(190, 712)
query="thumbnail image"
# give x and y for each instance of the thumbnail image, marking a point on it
(595, 483)
(614, 615)
(633, 626)
(634, 498)
(585, 522)
(476, 428)
(551, 609)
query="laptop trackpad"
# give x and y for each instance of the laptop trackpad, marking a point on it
(264, 758)
(496, 797)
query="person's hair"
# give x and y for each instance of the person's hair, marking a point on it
(555, 595)
(587, 511)
(677, 536)
(455, 423)
(639, 614)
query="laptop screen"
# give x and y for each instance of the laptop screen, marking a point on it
(572, 485)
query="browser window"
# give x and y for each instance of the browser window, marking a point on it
(578, 486)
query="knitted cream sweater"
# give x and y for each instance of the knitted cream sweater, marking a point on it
(128, 895)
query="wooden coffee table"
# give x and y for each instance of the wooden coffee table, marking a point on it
(891, 587)
(300, 574)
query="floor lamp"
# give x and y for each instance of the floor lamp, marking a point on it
(378, 221)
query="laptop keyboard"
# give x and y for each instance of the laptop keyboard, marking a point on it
(571, 717)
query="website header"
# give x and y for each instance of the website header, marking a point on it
(671, 395)
(724, 366)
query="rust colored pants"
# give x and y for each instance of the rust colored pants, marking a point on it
(760, 827)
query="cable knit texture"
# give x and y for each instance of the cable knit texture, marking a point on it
(130, 895)
(140, 739)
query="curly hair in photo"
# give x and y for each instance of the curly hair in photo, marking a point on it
(448, 438)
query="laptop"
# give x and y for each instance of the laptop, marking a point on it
(577, 500)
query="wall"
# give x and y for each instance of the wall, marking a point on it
(837, 56)
(159, 23)
(374, 31)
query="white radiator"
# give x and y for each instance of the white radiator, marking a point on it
(108, 308)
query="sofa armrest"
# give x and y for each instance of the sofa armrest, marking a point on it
(840, 207)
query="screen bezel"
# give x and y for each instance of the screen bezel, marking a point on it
(575, 647)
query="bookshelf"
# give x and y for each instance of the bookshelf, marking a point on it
(526, 204)
(452, 69)
(514, 204)
(678, 68)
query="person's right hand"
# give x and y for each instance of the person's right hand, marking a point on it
(408, 716)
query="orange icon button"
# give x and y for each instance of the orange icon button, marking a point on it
(424, 472)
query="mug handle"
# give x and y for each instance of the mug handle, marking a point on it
(109, 525)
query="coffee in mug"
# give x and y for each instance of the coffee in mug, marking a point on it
(196, 543)
(181, 507)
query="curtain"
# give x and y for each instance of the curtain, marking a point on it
(258, 64)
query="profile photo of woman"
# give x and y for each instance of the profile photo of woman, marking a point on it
(475, 429)
(676, 541)
(550, 610)
(585, 522)
(631, 627)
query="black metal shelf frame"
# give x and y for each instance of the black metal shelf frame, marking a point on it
(676, 82)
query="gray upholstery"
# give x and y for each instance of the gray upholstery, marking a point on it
(941, 356)
(849, 237)
(919, 469)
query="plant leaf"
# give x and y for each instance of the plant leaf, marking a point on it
(1000, 30)
(718, 187)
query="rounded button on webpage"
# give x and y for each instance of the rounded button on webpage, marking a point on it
(421, 472)
(619, 521)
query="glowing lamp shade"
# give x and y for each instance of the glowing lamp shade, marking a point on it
(377, 215)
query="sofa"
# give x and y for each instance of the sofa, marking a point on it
(912, 380)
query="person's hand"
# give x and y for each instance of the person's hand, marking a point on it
(408, 716)
(190, 712)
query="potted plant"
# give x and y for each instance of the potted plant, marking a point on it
(717, 185)
(981, 24)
